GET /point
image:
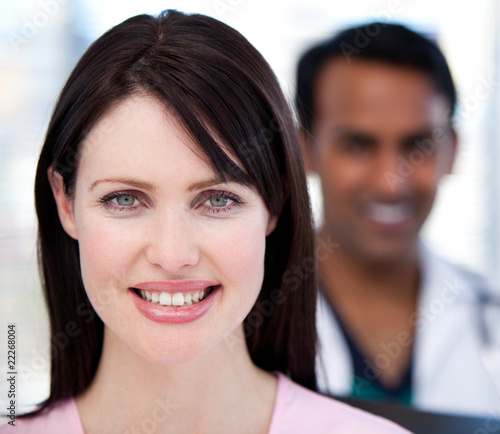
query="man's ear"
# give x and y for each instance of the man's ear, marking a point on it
(64, 203)
(306, 148)
(453, 152)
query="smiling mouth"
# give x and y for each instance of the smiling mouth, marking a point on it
(390, 214)
(177, 299)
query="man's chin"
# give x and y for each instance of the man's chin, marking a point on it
(389, 253)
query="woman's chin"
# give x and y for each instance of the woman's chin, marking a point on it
(172, 353)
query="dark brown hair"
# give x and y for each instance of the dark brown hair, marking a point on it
(392, 44)
(218, 86)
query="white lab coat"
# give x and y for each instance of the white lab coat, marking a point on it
(456, 366)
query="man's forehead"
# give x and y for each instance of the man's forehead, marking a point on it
(377, 90)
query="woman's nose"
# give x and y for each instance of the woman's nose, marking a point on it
(172, 241)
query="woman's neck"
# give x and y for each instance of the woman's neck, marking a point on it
(221, 391)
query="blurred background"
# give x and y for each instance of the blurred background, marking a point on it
(41, 40)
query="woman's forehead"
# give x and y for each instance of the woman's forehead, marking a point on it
(147, 114)
(141, 133)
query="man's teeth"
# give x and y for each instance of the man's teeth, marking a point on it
(389, 213)
(177, 299)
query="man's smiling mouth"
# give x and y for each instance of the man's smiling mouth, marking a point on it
(385, 213)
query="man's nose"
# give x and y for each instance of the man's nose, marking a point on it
(391, 172)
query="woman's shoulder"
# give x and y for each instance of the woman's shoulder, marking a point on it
(299, 410)
(61, 418)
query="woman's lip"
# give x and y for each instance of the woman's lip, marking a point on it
(173, 286)
(173, 315)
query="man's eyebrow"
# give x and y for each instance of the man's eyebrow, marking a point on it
(347, 131)
(423, 132)
(132, 182)
(343, 133)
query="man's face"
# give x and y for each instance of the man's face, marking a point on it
(381, 142)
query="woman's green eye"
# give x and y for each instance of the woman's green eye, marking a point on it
(218, 201)
(125, 200)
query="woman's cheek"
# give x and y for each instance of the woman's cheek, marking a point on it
(241, 257)
(106, 251)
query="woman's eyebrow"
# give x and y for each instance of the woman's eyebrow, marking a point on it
(206, 184)
(143, 185)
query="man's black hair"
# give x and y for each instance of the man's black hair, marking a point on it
(389, 43)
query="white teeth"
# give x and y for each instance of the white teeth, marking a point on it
(165, 299)
(389, 213)
(177, 299)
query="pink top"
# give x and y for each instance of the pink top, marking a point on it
(297, 410)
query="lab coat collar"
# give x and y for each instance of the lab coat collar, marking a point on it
(447, 346)
(448, 373)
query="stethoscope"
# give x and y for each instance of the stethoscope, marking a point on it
(490, 345)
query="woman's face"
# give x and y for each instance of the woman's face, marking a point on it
(149, 214)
